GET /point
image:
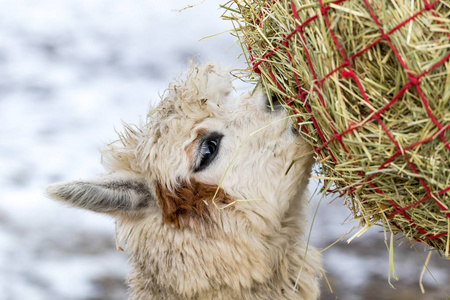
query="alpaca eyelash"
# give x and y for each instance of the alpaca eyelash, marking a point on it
(207, 150)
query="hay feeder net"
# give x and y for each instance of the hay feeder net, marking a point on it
(369, 83)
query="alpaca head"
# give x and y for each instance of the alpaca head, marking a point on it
(200, 150)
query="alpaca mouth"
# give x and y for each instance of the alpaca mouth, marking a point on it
(273, 103)
(295, 129)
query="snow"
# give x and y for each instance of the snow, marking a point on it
(70, 72)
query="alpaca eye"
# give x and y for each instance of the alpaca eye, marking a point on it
(208, 150)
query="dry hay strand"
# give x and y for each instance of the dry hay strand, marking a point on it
(371, 82)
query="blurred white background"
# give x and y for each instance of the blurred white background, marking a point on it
(70, 72)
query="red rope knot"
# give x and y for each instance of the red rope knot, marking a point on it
(348, 73)
(289, 101)
(337, 136)
(302, 94)
(414, 80)
(317, 85)
(384, 36)
(429, 6)
(256, 69)
(317, 150)
(323, 10)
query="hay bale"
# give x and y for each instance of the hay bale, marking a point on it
(369, 80)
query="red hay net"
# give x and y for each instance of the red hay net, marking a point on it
(345, 71)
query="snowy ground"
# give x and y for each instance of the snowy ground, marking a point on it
(70, 71)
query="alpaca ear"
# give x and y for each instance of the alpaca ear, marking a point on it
(115, 192)
(215, 81)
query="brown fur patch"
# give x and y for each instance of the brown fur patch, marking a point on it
(191, 204)
(190, 148)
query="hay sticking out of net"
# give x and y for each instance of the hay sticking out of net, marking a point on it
(372, 78)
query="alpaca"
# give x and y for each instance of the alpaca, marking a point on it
(204, 204)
